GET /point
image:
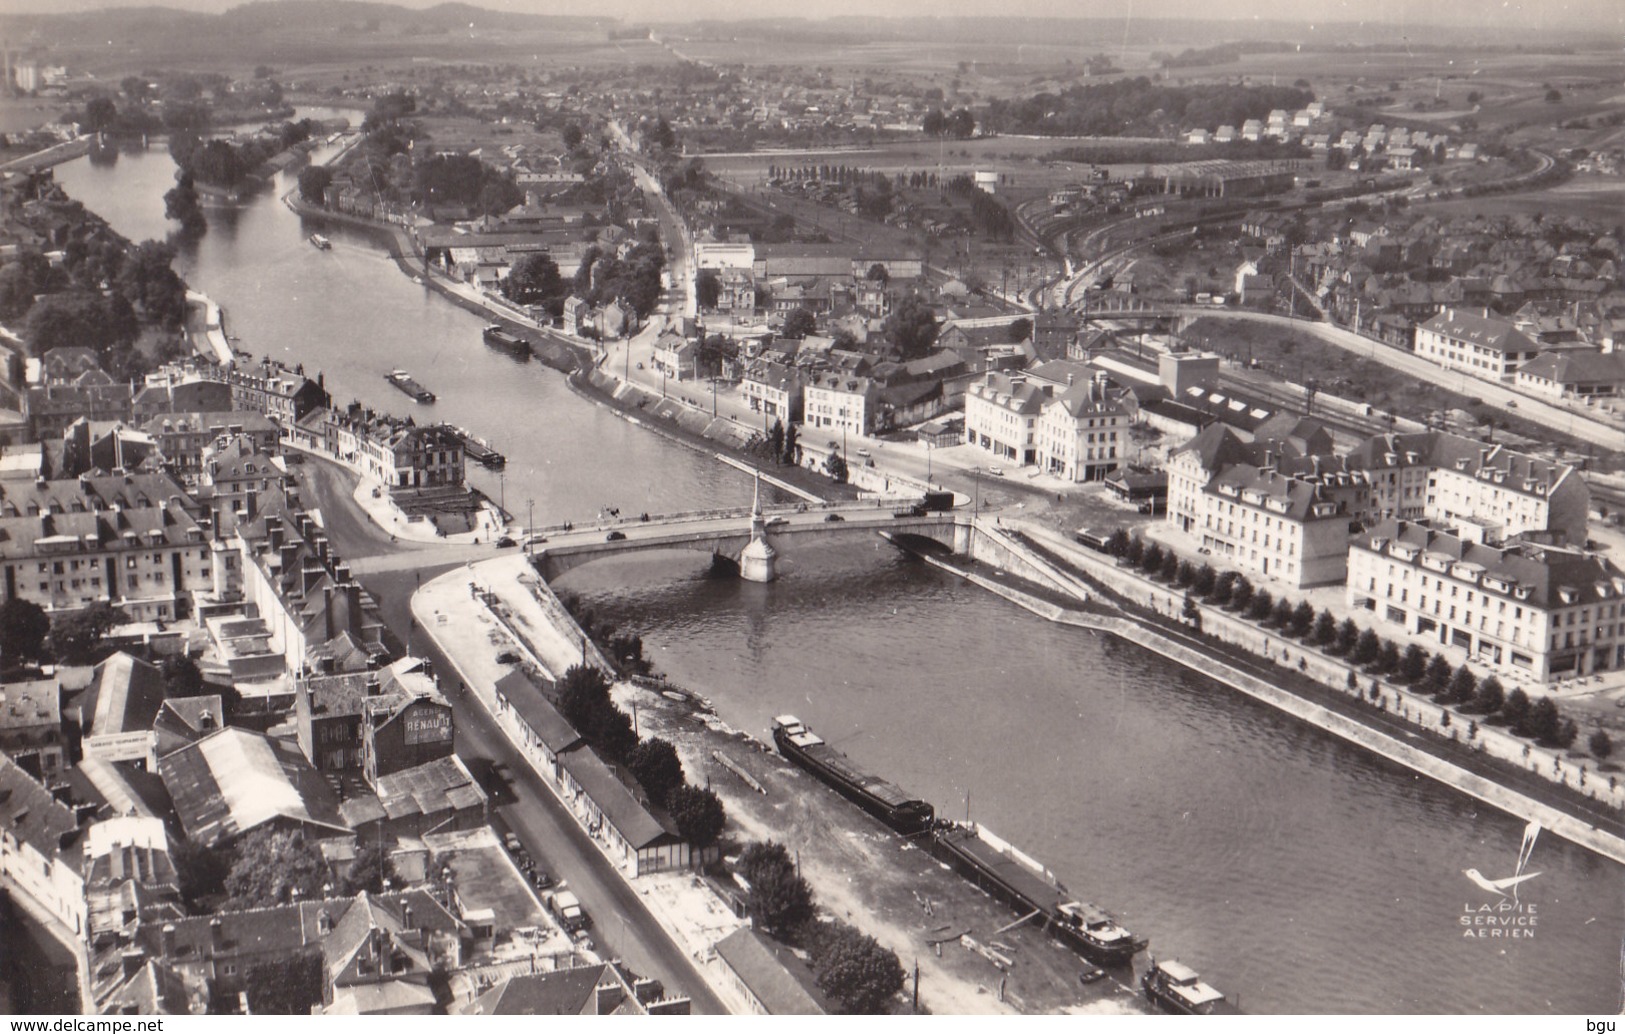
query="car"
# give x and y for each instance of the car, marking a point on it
(1512, 403)
(505, 542)
(511, 842)
(541, 880)
(1092, 974)
(997, 472)
(615, 536)
(832, 517)
(508, 657)
(777, 522)
(864, 453)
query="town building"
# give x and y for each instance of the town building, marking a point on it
(774, 390)
(838, 402)
(236, 781)
(41, 848)
(1082, 432)
(1478, 345)
(641, 841)
(183, 437)
(1293, 527)
(115, 715)
(1574, 375)
(765, 976)
(1523, 609)
(129, 540)
(31, 725)
(1001, 416)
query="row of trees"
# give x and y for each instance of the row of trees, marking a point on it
(958, 124)
(224, 164)
(1139, 107)
(634, 279)
(583, 698)
(1540, 720)
(989, 216)
(857, 973)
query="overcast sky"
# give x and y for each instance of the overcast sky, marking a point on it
(1561, 15)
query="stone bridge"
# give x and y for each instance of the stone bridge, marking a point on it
(727, 536)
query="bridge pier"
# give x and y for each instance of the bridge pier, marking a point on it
(758, 561)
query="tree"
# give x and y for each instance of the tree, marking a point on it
(1515, 711)
(1170, 567)
(859, 975)
(1348, 636)
(1367, 648)
(835, 467)
(911, 328)
(661, 135)
(1262, 606)
(1242, 595)
(534, 280)
(775, 439)
(75, 636)
(1436, 679)
(780, 900)
(182, 677)
(1325, 633)
(1134, 552)
(1184, 574)
(583, 698)
(181, 204)
(105, 324)
(791, 447)
(1543, 722)
(1151, 557)
(935, 123)
(571, 135)
(1223, 587)
(1488, 699)
(100, 114)
(707, 288)
(1206, 581)
(877, 274)
(313, 183)
(699, 815)
(1601, 745)
(1554, 95)
(147, 278)
(200, 871)
(23, 628)
(372, 866)
(1414, 664)
(1281, 616)
(1303, 619)
(961, 124)
(799, 323)
(1021, 330)
(285, 985)
(269, 865)
(1388, 659)
(656, 767)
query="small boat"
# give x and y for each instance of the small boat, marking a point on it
(403, 380)
(1179, 989)
(321, 243)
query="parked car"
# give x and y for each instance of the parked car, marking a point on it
(997, 472)
(615, 536)
(777, 522)
(506, 543)
(864, 453)
(511, 842)
(831, 517)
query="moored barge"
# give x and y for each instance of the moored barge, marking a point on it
(1011, 876)
(884, 800)
(1177, 988)
(506, 341)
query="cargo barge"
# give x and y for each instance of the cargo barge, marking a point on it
(1020, 881)
(884, 800)
(403, 380)
(506, 341)
(478, 450)
(1177, 988)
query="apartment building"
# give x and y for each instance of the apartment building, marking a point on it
(129, 540)
(1083, 432)
(774, 390)
(1523, 609)
(1291, 526)
(841, 402)
(1002, 412)
(1479, 345)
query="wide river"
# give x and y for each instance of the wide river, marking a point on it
(1295, 871)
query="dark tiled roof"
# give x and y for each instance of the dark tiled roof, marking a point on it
(33, 816)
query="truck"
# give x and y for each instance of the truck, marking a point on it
(566, 908)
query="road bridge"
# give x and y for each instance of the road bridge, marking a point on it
(726, 536)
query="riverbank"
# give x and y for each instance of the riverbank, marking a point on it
(1395, 733)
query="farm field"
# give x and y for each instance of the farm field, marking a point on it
(1598, 198)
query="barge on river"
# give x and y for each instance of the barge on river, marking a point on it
(478, 449)
(506, 341)
(1013, 877)
(886, 801)
(1176, 988)
(403, 380)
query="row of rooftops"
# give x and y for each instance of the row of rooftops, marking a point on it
(1542, 576)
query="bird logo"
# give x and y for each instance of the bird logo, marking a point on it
(1500, 887)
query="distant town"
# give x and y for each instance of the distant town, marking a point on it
(1300, 370)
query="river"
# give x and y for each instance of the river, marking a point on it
(1297, 872)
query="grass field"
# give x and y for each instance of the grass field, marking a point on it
(1598, 198)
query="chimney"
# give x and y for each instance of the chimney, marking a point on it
(289, 553)
(374, 687)
(406, 915)
(131, 960)
(206, 719)
(607, 997)
(330, 627)
(324, 923)
(274, 532)
(166, 940)
(217, 935)
(341, 571)
(115, 859)
(321, 545)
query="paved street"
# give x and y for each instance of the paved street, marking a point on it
(623, 926)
